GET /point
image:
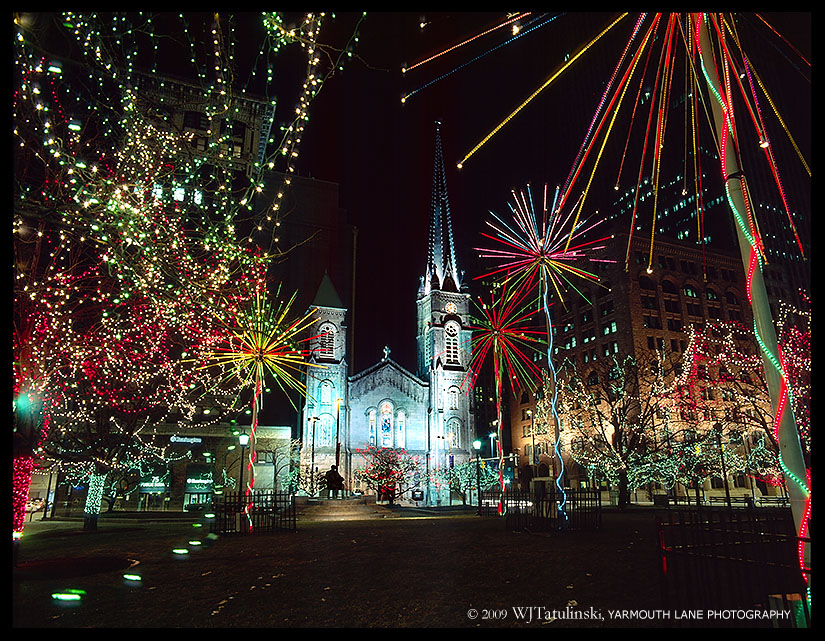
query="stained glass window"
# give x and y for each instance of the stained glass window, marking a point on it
(454, 432)
(386, 425)
(452, 395)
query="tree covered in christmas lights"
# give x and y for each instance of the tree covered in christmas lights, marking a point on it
(722, 386)
(611, 417)
(464, 478)
(794, 335)
(120, 206)
(389, 472)
(126, 375)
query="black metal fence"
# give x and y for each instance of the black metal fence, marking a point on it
(261, 513)
(575, 509)
(716, 560)
(663, 500)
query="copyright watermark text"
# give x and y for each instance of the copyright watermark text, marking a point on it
(531, 613)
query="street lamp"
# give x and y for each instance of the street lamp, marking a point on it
(493, 437)
(718, 428)
(313, 420)
(477, 448)
(532, 437)
(243, 440)
(337, 431)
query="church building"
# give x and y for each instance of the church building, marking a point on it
(427, 413)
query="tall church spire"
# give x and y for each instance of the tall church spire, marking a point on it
(442, 271)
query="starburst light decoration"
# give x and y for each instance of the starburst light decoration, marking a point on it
(503, 331)
(535, 251)
(264, 339)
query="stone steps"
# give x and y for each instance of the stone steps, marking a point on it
(350, 509)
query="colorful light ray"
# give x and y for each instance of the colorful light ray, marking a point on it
(546, 84)
(468, 40)
(534, 24)
(503, 331)
(264, 339)
(537, 254)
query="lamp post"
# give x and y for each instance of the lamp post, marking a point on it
(243, 440)
(492, 441)
(312, 420)
(718, 428)
(337, 431)
(477, 448)
(450, 467)
(533, 460)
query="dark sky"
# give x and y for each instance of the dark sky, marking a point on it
(381, 152)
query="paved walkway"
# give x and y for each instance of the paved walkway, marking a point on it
(448, 571)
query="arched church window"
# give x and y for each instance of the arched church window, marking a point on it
(454, 433)
(386, 425)
(451, 330)
(326, 341)
(400, 429)
(325, 435)
(371, 420)
(452, 398)
(326, 393)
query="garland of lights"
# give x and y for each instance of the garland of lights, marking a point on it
(755, 263)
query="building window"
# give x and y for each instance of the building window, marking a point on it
(326, 341)
(669, 288)
(326, 393)
(386, 425)
(454, 433)
(400, 429)
(451, 331)
(650, 302)
(371, 420)
(646, 283)
(196, 120)
(672, 306)
(325, 436)
(690, 291)
(452, 398)
(652, 322)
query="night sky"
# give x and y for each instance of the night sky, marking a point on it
(381, 152)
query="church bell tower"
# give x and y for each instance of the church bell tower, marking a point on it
(443, 334)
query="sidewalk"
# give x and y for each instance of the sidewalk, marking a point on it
(391, 572)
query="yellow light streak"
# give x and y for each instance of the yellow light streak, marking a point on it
(540, 89)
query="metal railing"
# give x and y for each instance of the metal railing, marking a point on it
(576, 509)
(725, 560)
(262, 513)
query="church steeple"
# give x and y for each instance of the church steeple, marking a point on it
(442, 271)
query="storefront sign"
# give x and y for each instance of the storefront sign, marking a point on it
(185, 439)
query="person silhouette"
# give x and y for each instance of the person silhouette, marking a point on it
(334, 481)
